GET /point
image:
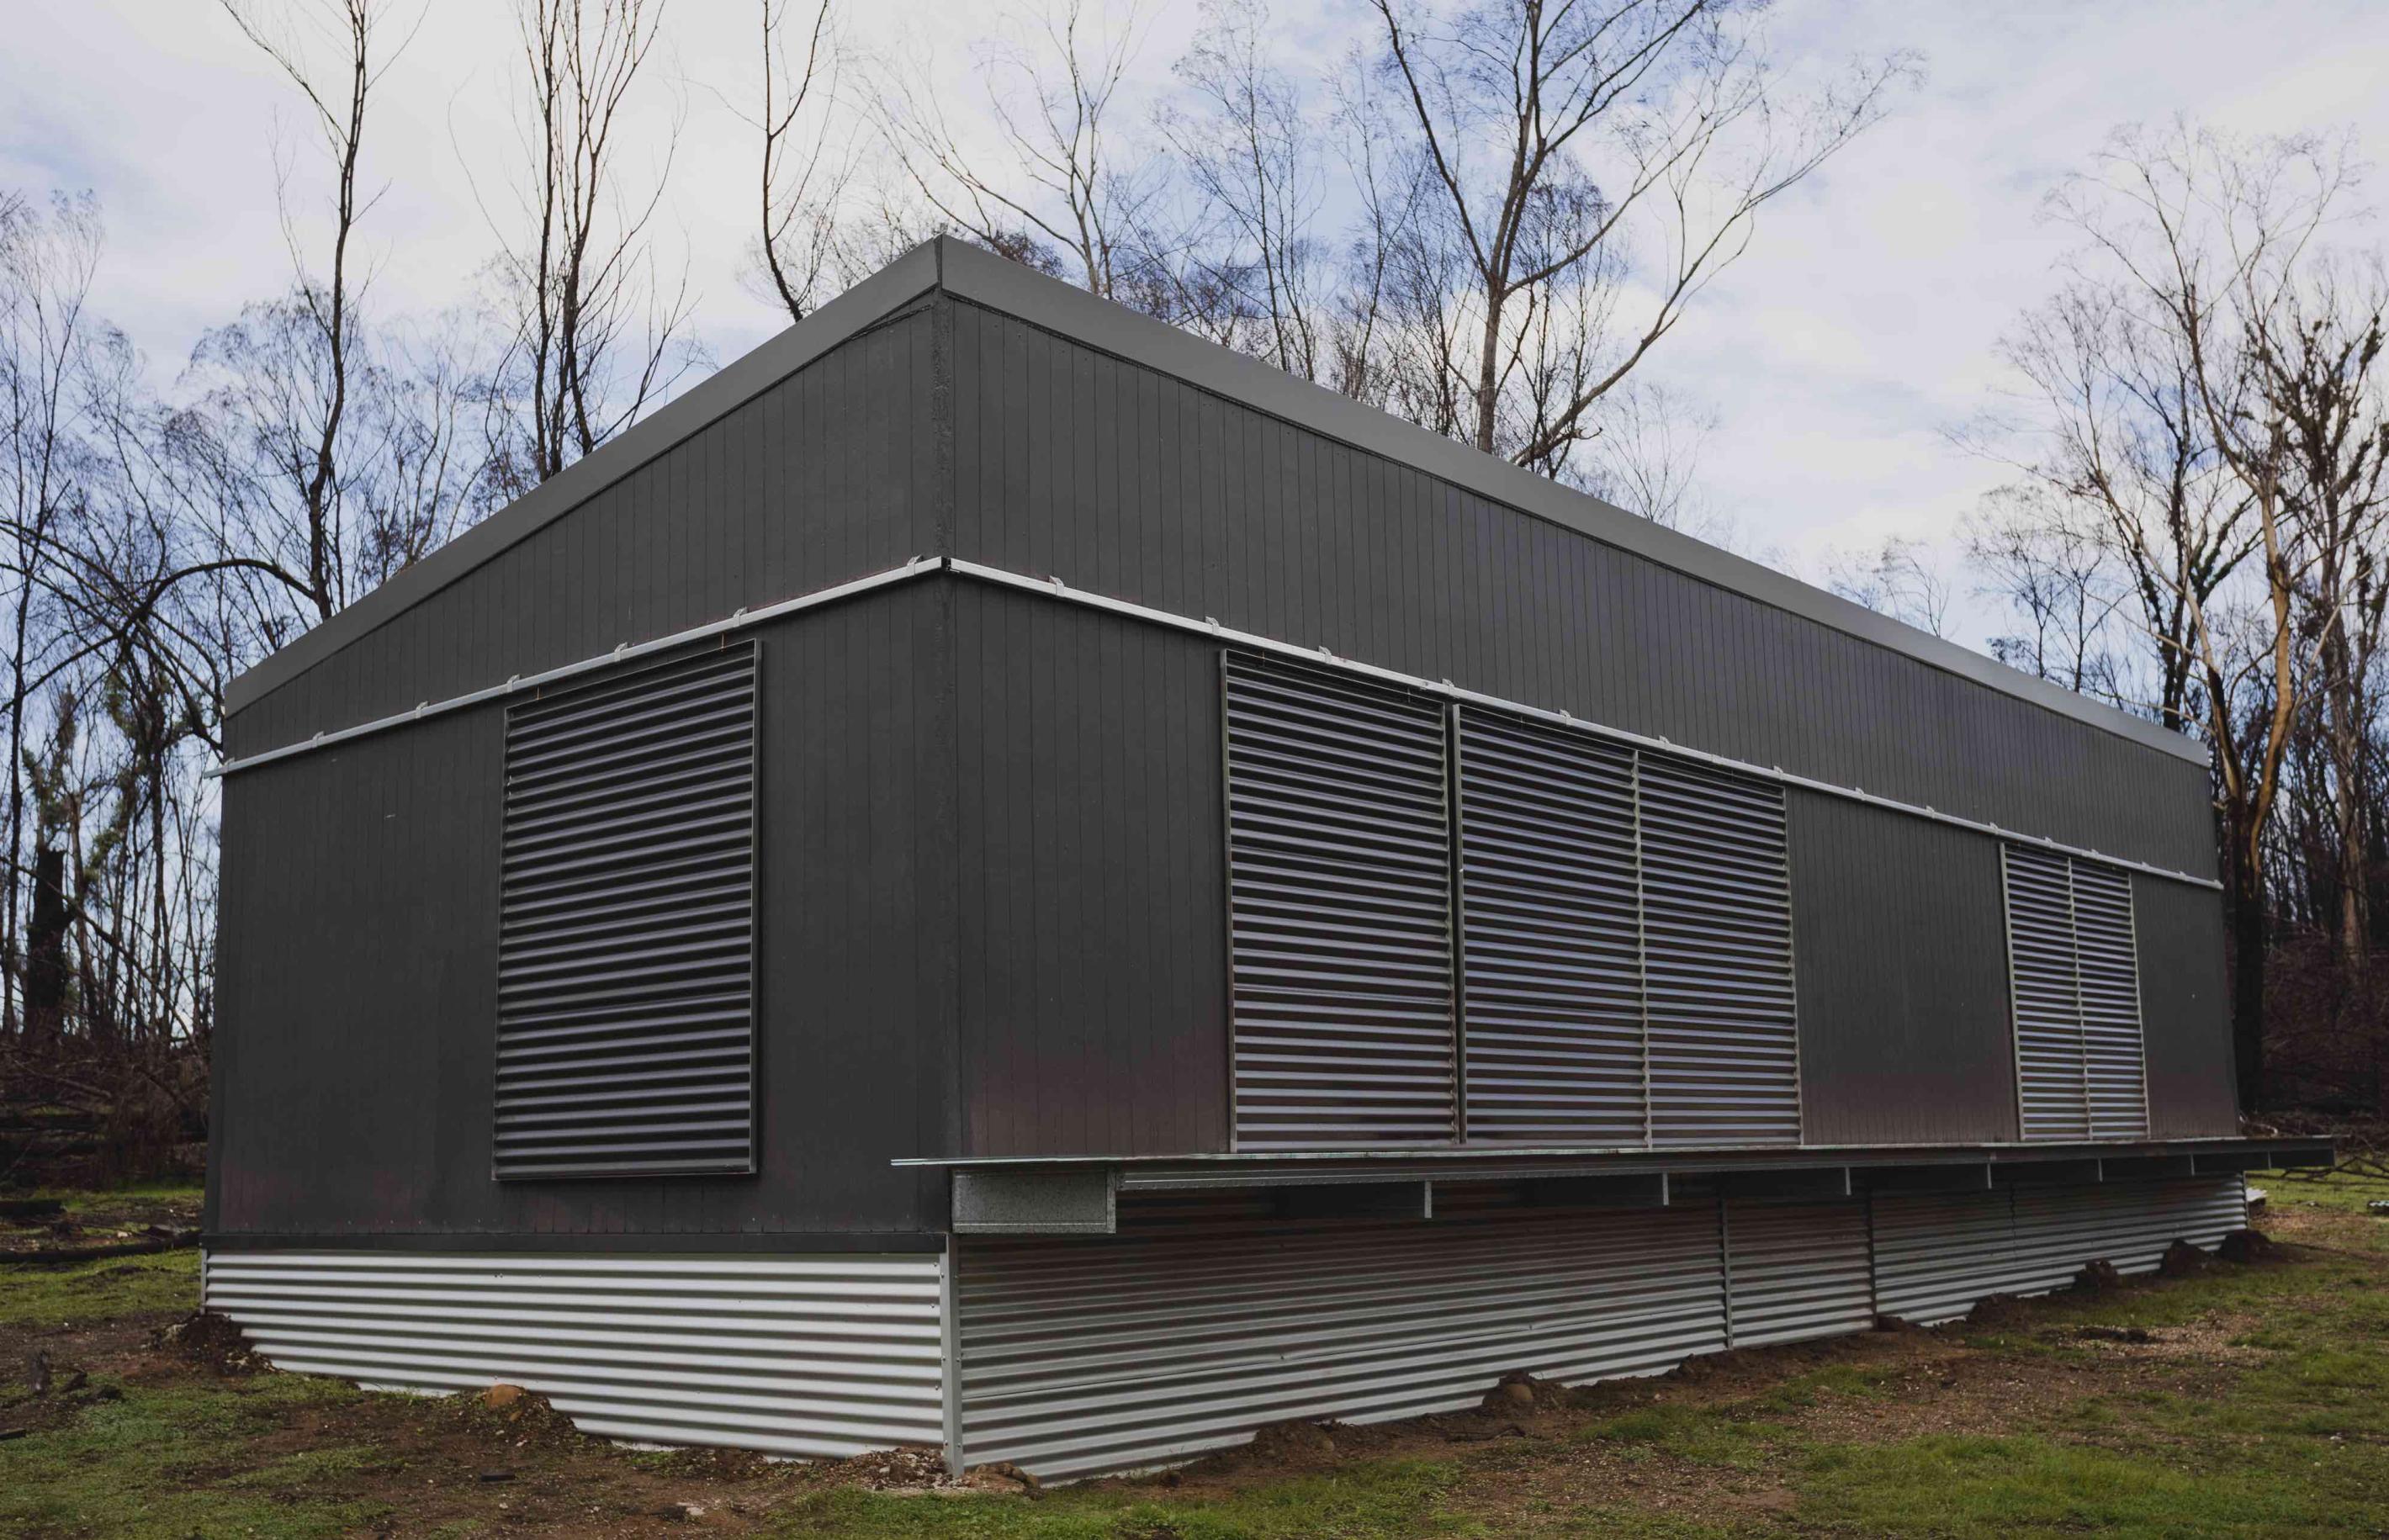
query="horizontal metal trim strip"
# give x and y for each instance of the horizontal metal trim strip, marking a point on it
(690, 1243)
(738, 620)
(920, 567)
(1056, 588)
(1634, 1158)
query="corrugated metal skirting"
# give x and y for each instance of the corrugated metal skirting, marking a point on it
(1937, 1254)
(1205, 1317)
(824, 1355)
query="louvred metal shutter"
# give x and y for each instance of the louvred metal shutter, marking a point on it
(1717, 926)
(2074, 975)
(1339, 900)
(2114, 1083)
(1551, 963)
(626, 971)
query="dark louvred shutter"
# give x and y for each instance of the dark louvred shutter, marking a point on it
(626, 953)
(1716, 927)
(1551, 942)
(1339, 899)
(2074, 975)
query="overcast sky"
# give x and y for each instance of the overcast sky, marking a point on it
(1861, 326)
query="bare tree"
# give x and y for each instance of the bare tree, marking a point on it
(1252, 273)
(2201, 252)
(2051, 564)
(46, 265)
(2316, 360)
(594, 339)
(804, 172)
(305, 413)
(1066, 176)
(1551, 133)
(1897, 579)
(1646, 458)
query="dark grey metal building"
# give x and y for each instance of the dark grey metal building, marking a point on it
(998, 875)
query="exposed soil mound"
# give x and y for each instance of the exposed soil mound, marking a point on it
(2183, 1260)
(1999, 1310)
(2249, 1245)
(524, 1419)
(909, 1469)
(2098, 1278)
(208, 1339)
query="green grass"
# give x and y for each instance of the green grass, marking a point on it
(85, 1292)
(2342, 1191)
(1948, 1486)
(79, 1200)
(176, 1462)
(1371, 1498)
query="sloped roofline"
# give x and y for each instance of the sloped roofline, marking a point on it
(982, 278)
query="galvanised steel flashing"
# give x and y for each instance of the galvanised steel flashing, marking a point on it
(627, 652)
(662, 1242)
(993, 282)
(1227, 635)
(1055, 588)
(1495, 1163)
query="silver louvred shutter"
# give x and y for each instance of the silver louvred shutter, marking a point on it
(2075, 973)
(1551, 942)
(626, 952)
(1717, 926)
(2048, 996)
(2114, 1083)
(1339, 900)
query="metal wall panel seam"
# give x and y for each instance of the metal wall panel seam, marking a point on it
(950, 1363)
(821, 1356)
(1056, 588)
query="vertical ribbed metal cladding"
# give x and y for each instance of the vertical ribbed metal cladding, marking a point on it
(2072, 955)
(1937, 1254)
(1206, 1318)
(1550, 955)
(1799, 1269)
(1717, 916)
(1339, 908)
(817, 1355)
(626, 951)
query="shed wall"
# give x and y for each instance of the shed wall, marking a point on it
(829, 474)
(1118, 479)
(359, 970)
(2185, 1011)
(1899, 952)
(1092, 868)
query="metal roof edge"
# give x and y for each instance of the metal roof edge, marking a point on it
(1004, 286)
(883, 294)
(1685, 1157)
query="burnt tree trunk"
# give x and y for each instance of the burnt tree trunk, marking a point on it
(45, 951)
